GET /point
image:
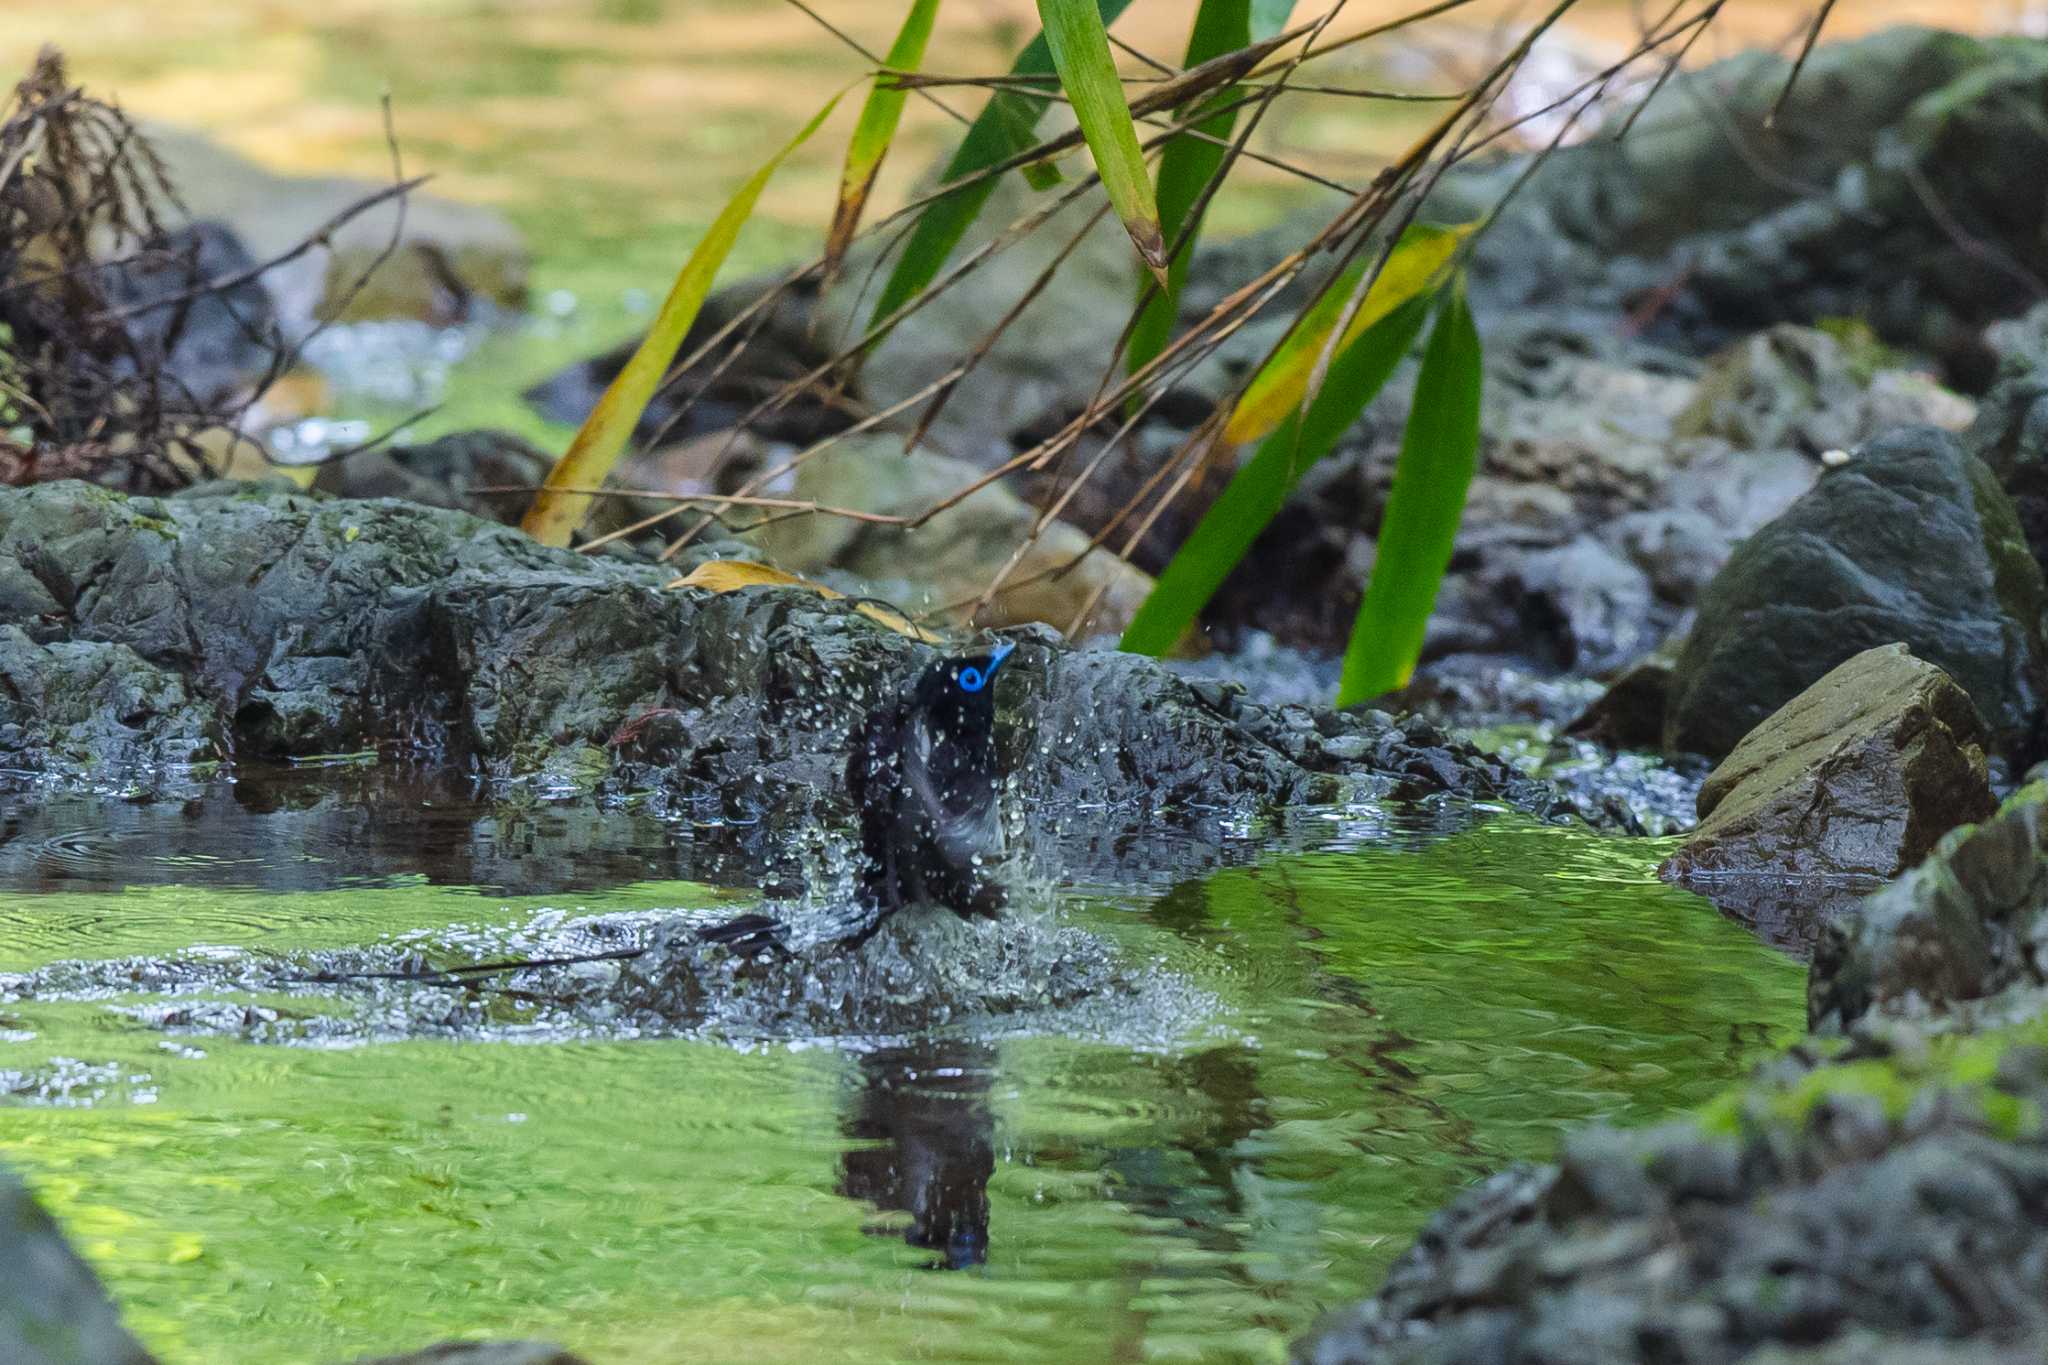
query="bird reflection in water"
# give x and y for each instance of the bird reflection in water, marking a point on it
(928, 1150)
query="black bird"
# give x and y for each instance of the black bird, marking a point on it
(923, 776)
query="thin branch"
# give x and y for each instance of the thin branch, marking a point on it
(802, 505)
(1820, 20)
(871, 59)
(321, 236)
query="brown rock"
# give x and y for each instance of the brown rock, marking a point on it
(1859, 774)
(1630, 713)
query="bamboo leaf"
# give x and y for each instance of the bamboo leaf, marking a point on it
(1003, 129)
(556, 512)
(1410, 272)
(1080, 54)
(1261, 485)
(1186, 166)
(1439, 451)
(730, 575)
(876, 130)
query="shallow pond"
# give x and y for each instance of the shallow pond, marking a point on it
(1376, 1007)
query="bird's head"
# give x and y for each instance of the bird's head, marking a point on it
(958, 694)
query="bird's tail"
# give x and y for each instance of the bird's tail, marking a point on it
(749, 935)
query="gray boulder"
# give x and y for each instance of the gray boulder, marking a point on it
(86, 705)
(1911, 541)
(1705, 225)
(53, 1309)
(1968, 923)
(1859, 774)
(2011, 436)
(1801, 1217)
(448, 472)
(1801, 388)
(208, 349)
(310, 626)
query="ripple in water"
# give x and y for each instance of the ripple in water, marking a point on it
(924, 974)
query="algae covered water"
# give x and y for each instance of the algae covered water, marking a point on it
(1362, 1011)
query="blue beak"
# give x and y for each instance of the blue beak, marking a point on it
(1003, 650)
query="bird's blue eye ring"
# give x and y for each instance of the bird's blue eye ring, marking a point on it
(971, 679)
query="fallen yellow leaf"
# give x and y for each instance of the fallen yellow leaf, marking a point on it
(730, 575)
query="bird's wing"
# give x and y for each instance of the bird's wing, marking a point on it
(959, 837)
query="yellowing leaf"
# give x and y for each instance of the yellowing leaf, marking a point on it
(730, 575)
(1255, 493)
(876, 129)
(556, 512)
(1410, 272)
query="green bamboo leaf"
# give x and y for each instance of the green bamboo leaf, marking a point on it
(1277, 389)
(1439, 452)
(1261, 485)
(876, 129)
(1186, 167)
(556, 513)
(1003, 129)
(1080, 53)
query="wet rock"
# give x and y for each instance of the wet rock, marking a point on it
(313, 626)
(483, 1353)
(1910, 541)
(2011, 436)
(53, 1309)
(1788, 913)
(212, 347)
(950, 560)
(1968, 923)
(445, 473)
(1863, 1202)
(85, 708)
(1630, 713)
(1859, 774)
(1800, 388)
(451, 258)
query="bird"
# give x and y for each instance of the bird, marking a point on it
(924, 776)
